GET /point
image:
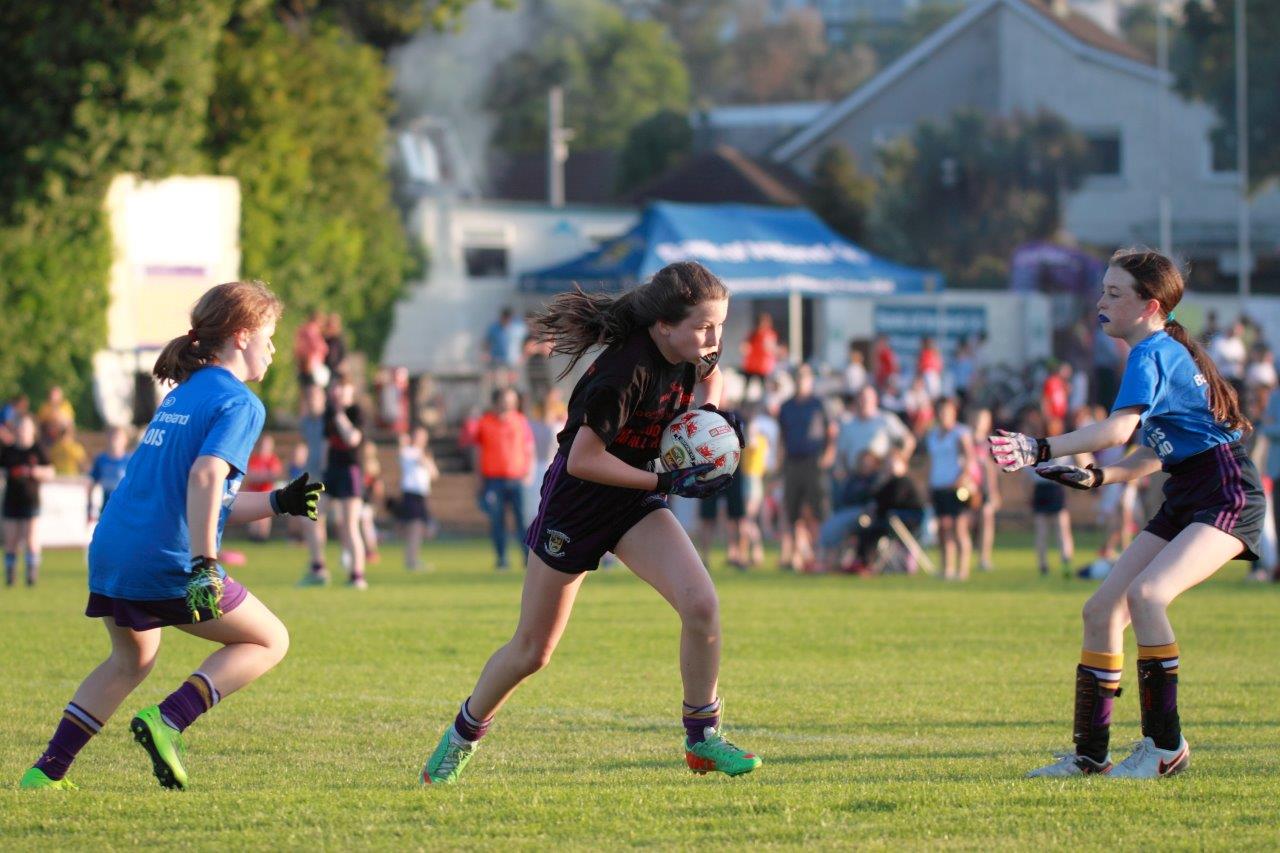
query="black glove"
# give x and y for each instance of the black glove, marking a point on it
(298, 498)
(1084, 479)
(685, 483)
(734, 420)
(204, 590)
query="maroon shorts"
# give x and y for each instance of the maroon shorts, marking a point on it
(146, 615)
(1219, 487)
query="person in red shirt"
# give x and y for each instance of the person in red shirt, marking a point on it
(929, 367)
(760, 354)
(1055, 394)
(505, 444)
(309, 351)
(265, 468)
(886, 361)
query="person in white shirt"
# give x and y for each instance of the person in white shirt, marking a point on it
(1229, 353)
(870, 428)
(855, 372)
(417, 471)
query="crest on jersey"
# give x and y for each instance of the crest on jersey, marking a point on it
(556, 542)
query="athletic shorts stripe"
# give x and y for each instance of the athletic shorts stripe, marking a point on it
(1233, 488)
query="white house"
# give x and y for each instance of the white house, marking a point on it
(477, 249)
(1007, 56)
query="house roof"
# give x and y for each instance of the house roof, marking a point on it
(1075, 32)
(723, 174)
(590, 177)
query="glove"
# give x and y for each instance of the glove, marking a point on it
(204, 590)
(298, 498)
(1088, 477)
(1013, 450)
(734, 420)
(685, 483)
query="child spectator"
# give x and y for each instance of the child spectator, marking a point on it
(109, 467)
(67, 454)
(25, 466)
(951, 459)
(265, 468)
(417, 471)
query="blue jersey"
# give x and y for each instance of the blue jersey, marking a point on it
(1163, 380)
(108, 471)
(141, 548)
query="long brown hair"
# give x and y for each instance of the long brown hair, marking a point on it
(1157, 277)
(577, 321)
(218, 314)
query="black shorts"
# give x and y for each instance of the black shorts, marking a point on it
(20, 510)
(578, 521)
(1219, 487)
(413, 507)
(344, 481)
(732, 497)
(1048, 498)
(146, 615)
(803, 485)
(946, 503)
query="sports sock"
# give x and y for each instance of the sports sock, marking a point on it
(1158, 694)
(33, 567)
(74, 730)
(10, 567)
(181, 707)
(696, 719)
(1097, 685)
(467, 727)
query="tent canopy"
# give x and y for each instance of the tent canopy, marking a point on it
(756, 251)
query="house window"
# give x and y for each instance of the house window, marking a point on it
(485, 261)
(1104, 153)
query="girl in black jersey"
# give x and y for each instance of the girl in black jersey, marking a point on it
(26, 466)
(661, 340)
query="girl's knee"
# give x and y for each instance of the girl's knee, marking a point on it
(532, 654)
(700, 609)
(1144, 595)
(133, 664)
(1102, 612)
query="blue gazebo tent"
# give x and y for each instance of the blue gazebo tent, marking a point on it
(756, 251)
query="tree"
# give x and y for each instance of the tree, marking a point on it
(92, 90)
(653, 146)
(1204, 59)
(615, 71)
(962, 196)
(300, 119)
(842, 195)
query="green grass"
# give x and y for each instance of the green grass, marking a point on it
(891, 712)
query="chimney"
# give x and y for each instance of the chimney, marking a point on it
(1061, 8)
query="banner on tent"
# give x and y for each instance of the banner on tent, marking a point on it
(905, 325)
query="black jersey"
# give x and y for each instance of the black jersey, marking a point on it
(341, 454)
(22, 489)
(627, 396)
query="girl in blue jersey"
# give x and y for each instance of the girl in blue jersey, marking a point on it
(599, 495)
(1191, 424)
(153, 558)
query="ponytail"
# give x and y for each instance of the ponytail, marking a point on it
(1158, 277)
(577, 321)
(218, 315)
(1223, 400)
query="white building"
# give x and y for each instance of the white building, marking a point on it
(1007, 56)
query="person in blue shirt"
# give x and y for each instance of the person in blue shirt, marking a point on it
(153, 558)
(109, 466)
(1191, 423)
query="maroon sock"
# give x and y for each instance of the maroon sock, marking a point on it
(697, 720)
(467, 726)
(181, 707)
(74, 730)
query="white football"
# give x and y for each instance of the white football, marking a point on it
(696, 437)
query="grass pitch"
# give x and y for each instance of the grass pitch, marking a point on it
(890, 712)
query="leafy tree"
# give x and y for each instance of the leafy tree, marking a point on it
(1139, 24)
(300, 119)
(653, 146)
(92, 90)
(1204, 58)
(962, 196)
(842, 195)
(615, 71)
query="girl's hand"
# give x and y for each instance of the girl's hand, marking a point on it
(1014, 450)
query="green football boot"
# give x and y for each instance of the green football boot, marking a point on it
(716, 753)
(35, 778)
(164, 744)
(446, 763)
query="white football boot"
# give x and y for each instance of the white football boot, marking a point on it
(1071, 764)
(1148, 761)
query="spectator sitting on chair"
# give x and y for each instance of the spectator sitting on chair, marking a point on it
(897, 496)
(850, 503)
